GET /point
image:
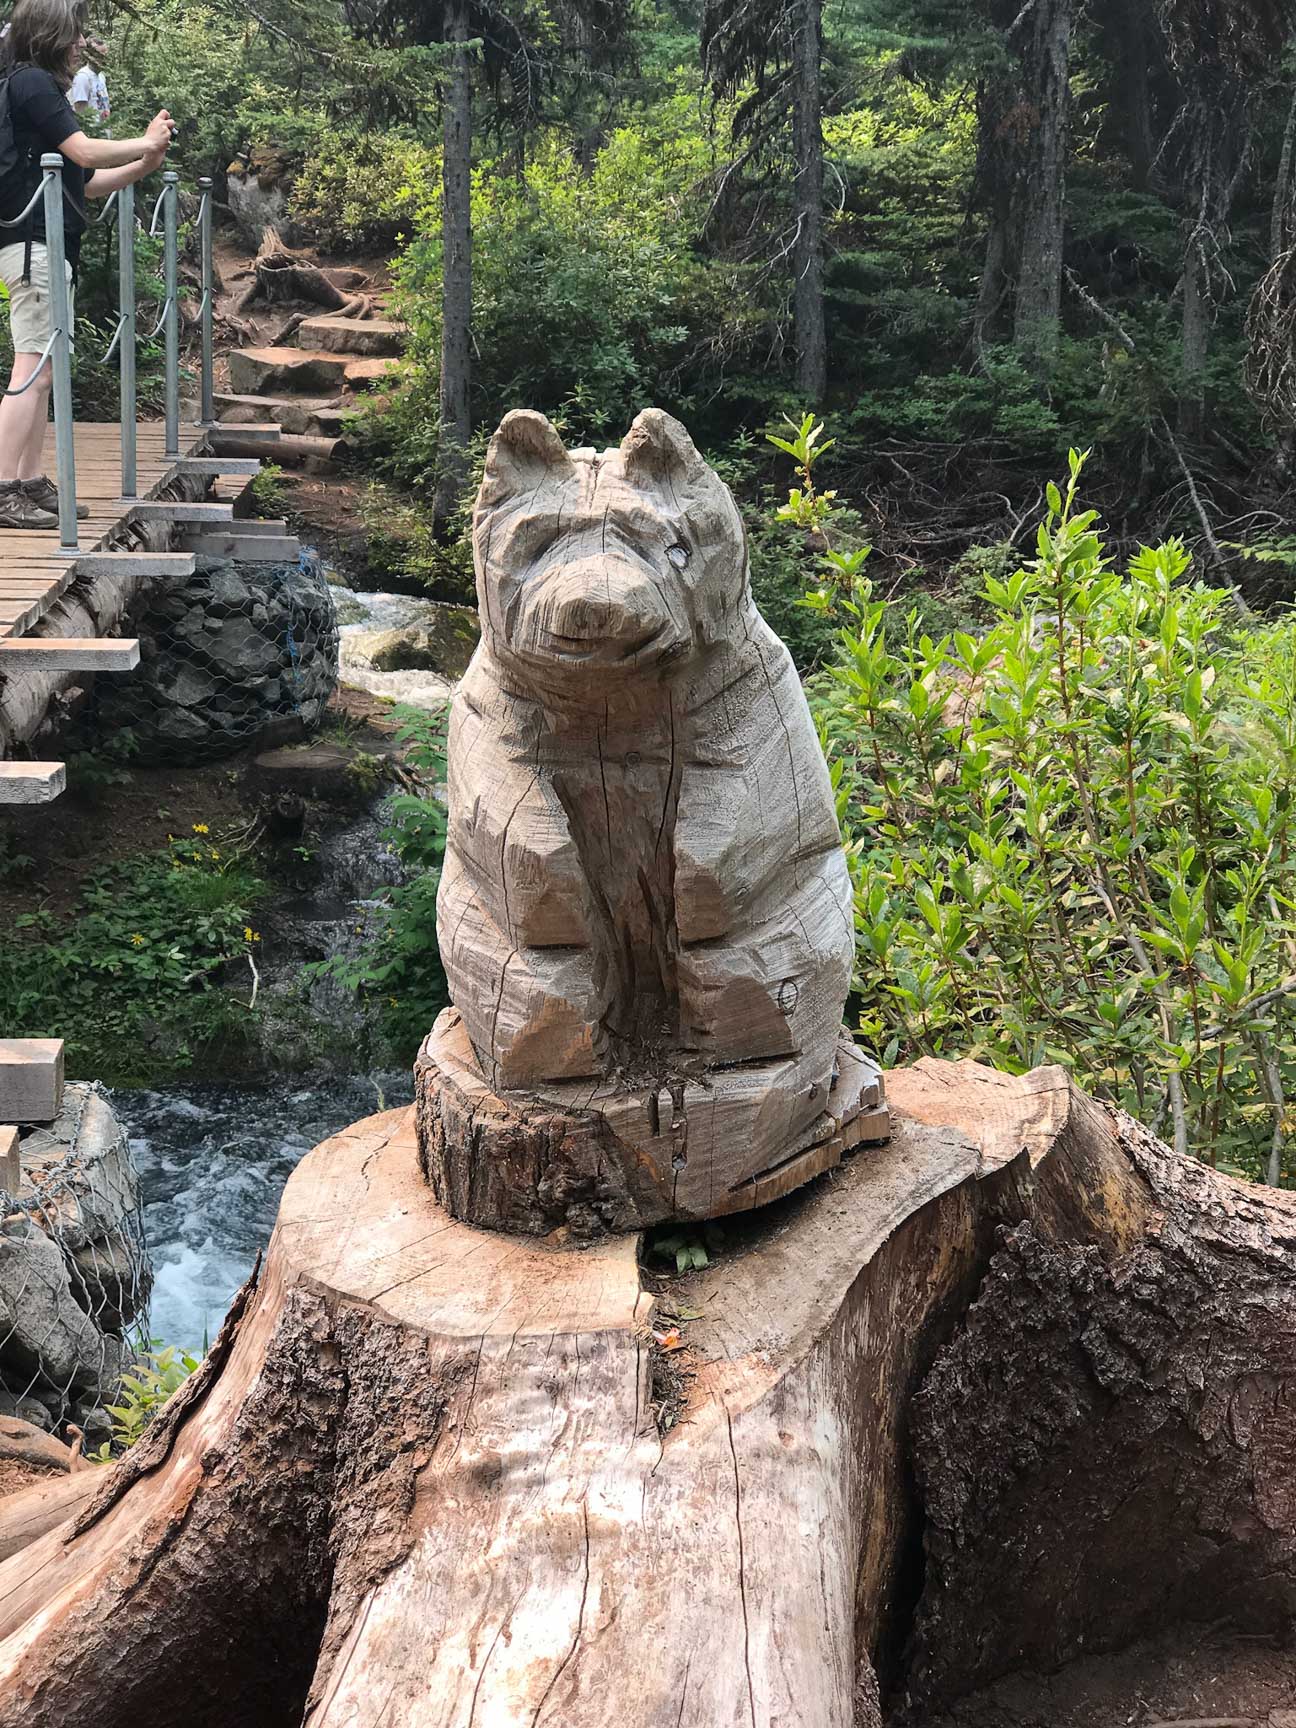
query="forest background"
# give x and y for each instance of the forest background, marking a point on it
(977, 238)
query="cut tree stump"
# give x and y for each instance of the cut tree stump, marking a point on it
(431, 1475)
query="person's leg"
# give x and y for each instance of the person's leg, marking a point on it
(23, 420)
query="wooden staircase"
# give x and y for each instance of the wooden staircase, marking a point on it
(304, 390)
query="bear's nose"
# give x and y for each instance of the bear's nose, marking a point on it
(581, 612)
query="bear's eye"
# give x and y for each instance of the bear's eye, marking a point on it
(678, 555)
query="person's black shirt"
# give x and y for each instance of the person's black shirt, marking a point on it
(43, 119)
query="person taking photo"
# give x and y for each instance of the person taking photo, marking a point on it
(42, 50)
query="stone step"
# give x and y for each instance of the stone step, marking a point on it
(317, 416)
(257, 371)
(368, 337)
(367, 374)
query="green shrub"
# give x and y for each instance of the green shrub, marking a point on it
(141, 1393)
(1070, 833)
(130, 978)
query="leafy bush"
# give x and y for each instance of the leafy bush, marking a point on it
(142, 1391)
(130, 979)
(1071, 833)
(357, 191)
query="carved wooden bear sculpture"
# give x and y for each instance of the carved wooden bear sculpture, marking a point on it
(645, 913)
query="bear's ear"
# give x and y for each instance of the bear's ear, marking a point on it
(658, 448)
(524, 450)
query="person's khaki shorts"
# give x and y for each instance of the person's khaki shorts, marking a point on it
(29, 302)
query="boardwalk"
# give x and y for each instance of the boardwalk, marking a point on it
(34, 571)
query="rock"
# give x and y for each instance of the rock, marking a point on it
(442, 642)
(111, 1279)
(25, 1409)
(258, 199)
(240, 651)
(44, 1333)
(239, 654)
(78, 1178)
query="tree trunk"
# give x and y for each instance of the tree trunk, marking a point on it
(1043, 203)
(430, 1475)
(455, 426)
(808, 157)
(1131, 41)
(1196, 338)
(1280, 210)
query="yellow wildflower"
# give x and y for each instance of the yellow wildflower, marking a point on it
(201, 828)
(249, 934)
(138, 941)
(215, 853)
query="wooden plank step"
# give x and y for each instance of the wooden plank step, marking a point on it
(320, 416)
(31, 783)
(367, 337)
(175, 510)
(255, 525)
(260, 432)
(136, 563)
(221, 466)
(31, 1069)
(247, 548)
(276, 371)
(10, 1167)
(75, 653)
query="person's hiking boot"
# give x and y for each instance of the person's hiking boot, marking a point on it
(19, 510)
(44, 495)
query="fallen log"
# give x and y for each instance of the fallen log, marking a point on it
(33, 1511)
(432, 1475)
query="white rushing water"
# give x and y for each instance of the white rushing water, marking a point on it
(213, 1161)
(359, 614)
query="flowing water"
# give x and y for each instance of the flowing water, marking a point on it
(213, 1161)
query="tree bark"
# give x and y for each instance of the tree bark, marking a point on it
(808, 158)
(1280, 210)
(1043, 198)
(430, 1475)
(1196, 338)
(455, 427)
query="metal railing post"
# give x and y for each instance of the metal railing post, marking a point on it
(207, 410)
(126, 308)
(61, 357)
(170, 194)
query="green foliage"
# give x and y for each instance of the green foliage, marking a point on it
(141, 1393)
(268, 490)
(1071, 833)
(130, 978)
(399, 968)
(358, 191)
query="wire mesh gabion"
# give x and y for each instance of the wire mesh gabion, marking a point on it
(75, 1274)
(236, 654)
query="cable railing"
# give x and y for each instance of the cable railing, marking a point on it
(57, 353)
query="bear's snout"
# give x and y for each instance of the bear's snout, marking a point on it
(596, 610)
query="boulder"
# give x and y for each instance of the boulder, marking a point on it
(44, 1333)
(111, 1278)
(443, 641)
(25, 1409)
(78, 1179)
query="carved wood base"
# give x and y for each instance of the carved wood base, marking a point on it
(591, 1156)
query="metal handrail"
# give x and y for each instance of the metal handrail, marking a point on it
(166, 307)
(40, 367)
(57, 351)
(32, 202)
(61, 352)
(112, 346)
